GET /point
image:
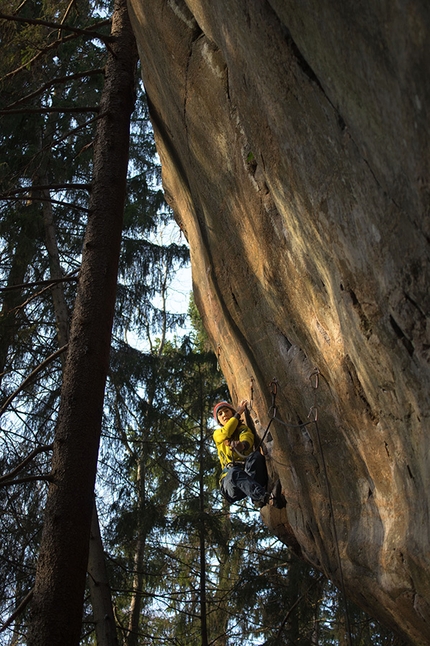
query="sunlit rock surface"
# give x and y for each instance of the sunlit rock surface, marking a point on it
(294, 138)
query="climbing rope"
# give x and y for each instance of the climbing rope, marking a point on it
(313, 412)
(274, 391)
(251, 393)
(218, 352)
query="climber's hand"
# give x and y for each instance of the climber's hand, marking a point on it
(240, 447)
(242, 406)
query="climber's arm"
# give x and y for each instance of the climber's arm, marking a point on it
(225, 432)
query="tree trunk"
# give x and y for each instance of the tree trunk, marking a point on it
(135, 610)
(23, 255)
(132, 638)
(202, 528)
(101, 599)
(60, 305)
(60, 576)
(226, 573)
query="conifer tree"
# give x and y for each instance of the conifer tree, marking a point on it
(56, 610)
(37, 407)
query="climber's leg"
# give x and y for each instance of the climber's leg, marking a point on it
(229, 489)
(238, 484)
(255, 467)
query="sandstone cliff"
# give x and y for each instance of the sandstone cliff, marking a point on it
(294, 138)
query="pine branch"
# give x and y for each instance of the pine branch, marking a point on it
(54, 143)
(60, 79)
(41, 53)
(30, 456)
(48, 110)
(295, 604)
(31, 376)
(18, 611)
(56, 25)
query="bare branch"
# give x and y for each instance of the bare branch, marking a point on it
(45, 199)
(55, 25)
(48, 110)
(48, 477)
(30, 456)
(45, 187)
(50, 281)
(60, 79)
(38, 294)
(17, 612)
(23, 3)
(31, 376)
(71, 132)
(17, 308)
(66, 14)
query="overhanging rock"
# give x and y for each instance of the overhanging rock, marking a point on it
(294, 139)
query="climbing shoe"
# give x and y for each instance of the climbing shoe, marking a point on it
(259, 504)
(275, 499)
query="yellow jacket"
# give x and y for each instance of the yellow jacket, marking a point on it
(232, 430)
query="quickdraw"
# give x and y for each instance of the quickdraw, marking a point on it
(274, 391)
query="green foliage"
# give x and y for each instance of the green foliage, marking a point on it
(199, 335)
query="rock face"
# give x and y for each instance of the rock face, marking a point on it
(294, 138)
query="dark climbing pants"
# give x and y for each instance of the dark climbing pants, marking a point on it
(247, 480)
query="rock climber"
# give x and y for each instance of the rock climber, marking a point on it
(244, 472)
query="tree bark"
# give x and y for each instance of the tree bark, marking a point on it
(60, 576)
(227, 573)
(101, 599)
